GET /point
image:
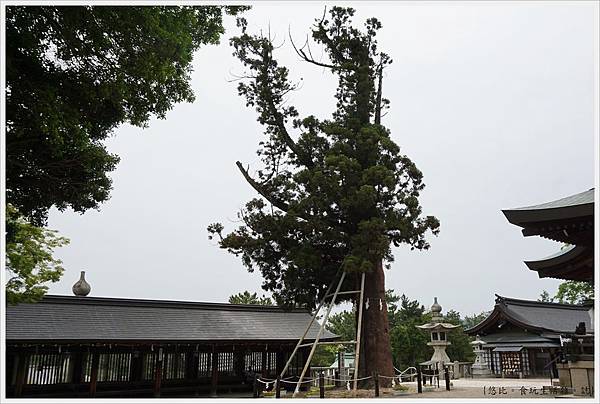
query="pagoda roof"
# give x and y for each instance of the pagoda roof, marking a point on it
(574, 263)
(542, 317)
(568, 220)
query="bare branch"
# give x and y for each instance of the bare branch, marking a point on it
(258, 187)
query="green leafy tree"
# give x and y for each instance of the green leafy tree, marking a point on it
(545, 297)
(29, 261)
(246, 297)
(460, 348)
(472, 321)
(73, 74)
(343, 324)
(337, 194)
(574, 292)
(409, 344)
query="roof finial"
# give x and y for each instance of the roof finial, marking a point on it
(81, 287)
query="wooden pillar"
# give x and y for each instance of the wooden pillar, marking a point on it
(279, 361)
(22, 359)
(94, 373)
(135, 371)
(193, 359)
(419, 380)
(158, 372)
(321, 385)
(238, 363)
(376, 380)
(214, 380)
(76, 375)
(263, 364)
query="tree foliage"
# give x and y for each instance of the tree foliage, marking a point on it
(73, 74)
(335, 193)
(409, 344)
(246, 297)
(460, 348)
(29, 261)
(473, 320)
(571, 292)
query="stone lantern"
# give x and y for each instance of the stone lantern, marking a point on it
(480, 367)
(439, 338)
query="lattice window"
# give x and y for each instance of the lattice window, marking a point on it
(497, 364)
(149, 365)
(253, 362)
(525, 361)
(114, 367)
(204, 364)
(271, 362)
(48, 369)
(225, 363)
(174, 365)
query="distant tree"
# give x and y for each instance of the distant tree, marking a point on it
(343, 324)
(73, 74)
(336, 195)
(472, 321)
(460, 348)
(545, 297)
(29, 261)
(409, 344)
(574, 292)
(246, 297)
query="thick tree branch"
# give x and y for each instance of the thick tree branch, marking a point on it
(273, 200)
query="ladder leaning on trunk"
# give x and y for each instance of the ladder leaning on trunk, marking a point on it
(316, 342)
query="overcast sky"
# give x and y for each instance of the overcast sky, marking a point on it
(493, 102)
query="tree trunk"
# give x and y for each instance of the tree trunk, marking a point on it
(375, 350)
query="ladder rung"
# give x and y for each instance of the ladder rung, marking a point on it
(327, 343)
(343, 293)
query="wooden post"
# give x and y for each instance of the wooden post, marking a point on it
(359, 331)
(135, 371)
(76, 367)
(321, 385)
(158, 373)
(255, 391)
(337, 378)
(263, 364)
(419, 381)
(278, 387)
(279, 361)
(447, 378)
(437, 374)
(376, 380)
(22, 359)
(94, 373)
(214, 380)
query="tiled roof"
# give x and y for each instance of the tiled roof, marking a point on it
(110, 319)
(573, 200)
(562, 318)
(549, 318)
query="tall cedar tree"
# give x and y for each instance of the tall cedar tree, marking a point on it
(336, 195)
(75, 73)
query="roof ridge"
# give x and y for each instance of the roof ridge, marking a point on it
(181, 304)
(504, 299)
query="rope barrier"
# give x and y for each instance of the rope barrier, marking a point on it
(283, 378)
(304, 381)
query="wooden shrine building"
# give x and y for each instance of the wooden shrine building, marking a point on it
(73, 346)
(523, 338)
